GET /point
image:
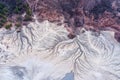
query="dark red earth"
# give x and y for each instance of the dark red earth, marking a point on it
(96, 14)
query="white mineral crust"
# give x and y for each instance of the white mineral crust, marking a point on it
(42, 51)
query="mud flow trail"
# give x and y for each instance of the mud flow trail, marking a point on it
(60, 40)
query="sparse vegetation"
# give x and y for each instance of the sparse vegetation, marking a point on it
(3, 20)
(27, 18)
(3, 11)
(8, 25)
(18, 25)
(28, 10)
(3, 14)
(13, 10)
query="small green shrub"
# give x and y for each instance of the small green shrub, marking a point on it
(27, 18)
(28, 10)
(1, 24)
(3, 20)
(18, 25)
(8, 26)
(3, 16)
(16, 10)
(2, 5)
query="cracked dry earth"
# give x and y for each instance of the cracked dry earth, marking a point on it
(42, 51)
